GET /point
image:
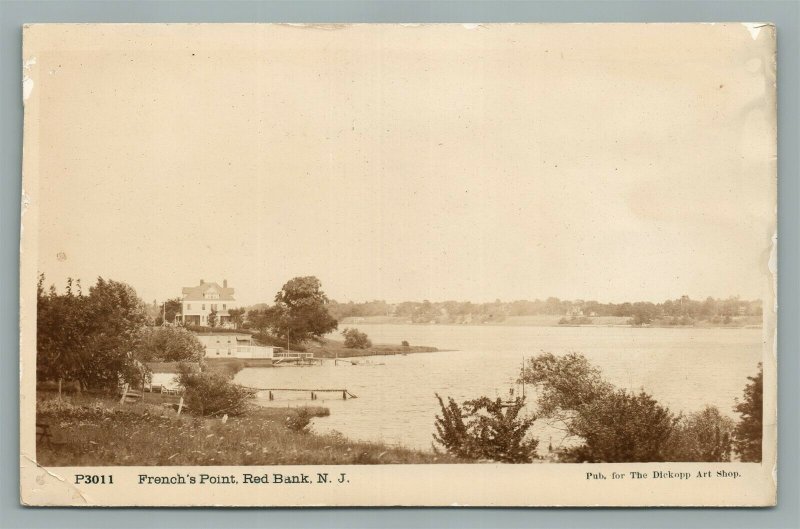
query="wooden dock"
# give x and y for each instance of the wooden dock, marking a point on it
(311, 391)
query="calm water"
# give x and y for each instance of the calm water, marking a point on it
(684, 369)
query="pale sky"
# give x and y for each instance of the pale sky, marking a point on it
(610, 163)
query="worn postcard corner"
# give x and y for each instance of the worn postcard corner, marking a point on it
(399, 265)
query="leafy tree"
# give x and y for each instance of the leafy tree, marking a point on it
(355, 339)
(614, 425)
(236, 317)
(566, 383)
(212, 318)
(702, 436)
(89, 338)
(486, 429)
(643, 313)
(172, 310)
(168, 344)
(300, 311)
(61, 338)
(263, 320)
(748, 433)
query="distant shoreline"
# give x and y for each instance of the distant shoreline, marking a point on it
(546, 321)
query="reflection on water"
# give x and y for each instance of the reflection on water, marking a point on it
(683, 368)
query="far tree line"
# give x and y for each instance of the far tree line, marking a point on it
(681, 311)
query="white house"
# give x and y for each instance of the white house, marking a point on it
(198, 302)
(233, 345)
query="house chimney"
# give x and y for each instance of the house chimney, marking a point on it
(201, 281)
(224, 283)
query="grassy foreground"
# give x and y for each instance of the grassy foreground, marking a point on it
(97, 431)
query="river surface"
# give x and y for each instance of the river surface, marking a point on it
(684, 369)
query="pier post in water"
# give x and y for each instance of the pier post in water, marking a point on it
(344, 394)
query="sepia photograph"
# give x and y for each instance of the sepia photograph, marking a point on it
(381, 263)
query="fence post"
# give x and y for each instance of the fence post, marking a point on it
(180, 405)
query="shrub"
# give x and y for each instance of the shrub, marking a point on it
(299, 421)
(493, 430)
(212, 393)
(621, 427)
(355, 339)
(615, 425)
(54, 407)
(702, 436)
(404, 343)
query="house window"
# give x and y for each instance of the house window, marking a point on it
(188, 306)
(229, 352)
(224, 306)
(204, 306)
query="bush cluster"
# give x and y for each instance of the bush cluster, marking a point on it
(616, 425)
(355, 339)
(486, 429)
(213, 393)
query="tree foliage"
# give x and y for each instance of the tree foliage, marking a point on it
(748, 433)
(300, 312)
(90, 338)
(168, 344)
(702, 436)
(681, 311)
(262, 320)
(486, 429)
(172, 310)
(213, 393)
(355, 339)
(212, 318)
(565, 383)
(621, 427)
(236, 317)
(614, 425)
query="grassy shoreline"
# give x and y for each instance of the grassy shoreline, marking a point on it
(333, 348)
(95, 430)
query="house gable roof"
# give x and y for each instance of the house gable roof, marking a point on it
(197, 293)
